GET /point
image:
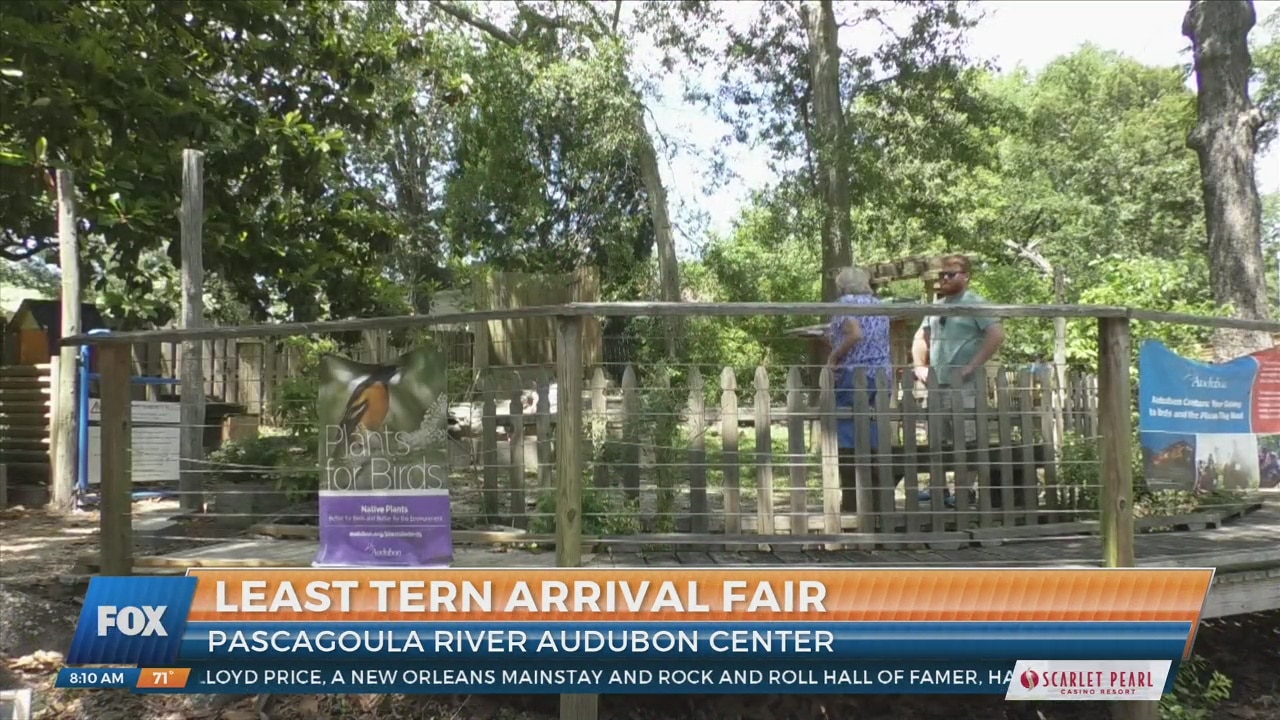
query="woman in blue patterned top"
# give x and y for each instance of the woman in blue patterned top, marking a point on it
(857, 343)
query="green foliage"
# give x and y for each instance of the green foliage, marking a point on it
(1264, 47)
(1078, 470)
(772, 237)
(1152, 283)
(1171, 503)
(1094, 164)
(603, 513)
(925, 153)
(1197, 691)
(1082, 167)
(765, 94)
(294, 405)
(1025, 340)
(665, 404)
(34, 275)
(1271, 244)
(541, 170)
(271, 91)
(282, 460)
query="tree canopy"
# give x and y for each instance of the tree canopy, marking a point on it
(360, 157)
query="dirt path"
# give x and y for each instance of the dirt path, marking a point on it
(38, 613)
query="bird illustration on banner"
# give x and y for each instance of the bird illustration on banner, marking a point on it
(370, 403)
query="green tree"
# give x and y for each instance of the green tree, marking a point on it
(776, 89)
(1225, 139)
(271, 91)
(1264, 46)
(579, 56)
(1081, 167)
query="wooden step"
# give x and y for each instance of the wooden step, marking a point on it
(24, 370)
(8, 395)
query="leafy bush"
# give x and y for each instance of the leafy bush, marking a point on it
(1081, 468)
(280, 459)
(1197, 691)
(294, 404)
(1151, 283)
(604, 512)
(1078, 470)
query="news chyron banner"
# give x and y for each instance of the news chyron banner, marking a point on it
(1058, 634)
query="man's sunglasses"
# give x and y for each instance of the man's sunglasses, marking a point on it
(948, 275)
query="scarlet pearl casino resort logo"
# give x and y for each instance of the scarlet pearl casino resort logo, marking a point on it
(1088, 680)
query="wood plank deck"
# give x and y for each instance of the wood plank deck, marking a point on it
(1255, 535)
(1246, 554)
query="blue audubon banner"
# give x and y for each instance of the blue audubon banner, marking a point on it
(1208, 426)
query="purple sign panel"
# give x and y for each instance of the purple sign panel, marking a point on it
(384, 493)
(379, 529)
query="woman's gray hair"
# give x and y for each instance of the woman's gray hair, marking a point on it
(853, 281)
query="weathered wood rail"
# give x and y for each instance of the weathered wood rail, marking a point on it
(1012, 464)
(1116, 524)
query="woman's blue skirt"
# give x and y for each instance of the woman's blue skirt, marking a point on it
(845, 398)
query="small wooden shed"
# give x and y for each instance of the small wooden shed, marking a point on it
(31, 336)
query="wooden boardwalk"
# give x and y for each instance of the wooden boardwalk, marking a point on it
(1245, 552)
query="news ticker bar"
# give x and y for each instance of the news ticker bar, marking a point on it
(713, 642)
(1035, 679)
(868, 613)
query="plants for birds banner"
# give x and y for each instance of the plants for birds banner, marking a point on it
(384, 460)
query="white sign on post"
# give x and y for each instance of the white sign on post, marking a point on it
(156, 448)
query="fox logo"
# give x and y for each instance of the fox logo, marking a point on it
(130, 620)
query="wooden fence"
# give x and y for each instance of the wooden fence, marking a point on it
(752, 457)
(568, 478)
(722, 488)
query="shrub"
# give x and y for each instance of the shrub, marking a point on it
(294, 404)
(284, 460)
(1197, 691)
(604, 512)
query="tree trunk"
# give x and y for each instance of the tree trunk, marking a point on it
(1059, 362)
(833, 158)
(1225, 139)
(664, 238)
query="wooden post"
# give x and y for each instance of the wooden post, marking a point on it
(116, 509)
(1115, 429)
(192, 377)
(63, 384)
(1115, 432)
(832, 493)
(1058, 396)
(569, 468)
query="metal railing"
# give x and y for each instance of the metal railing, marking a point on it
(665, 441)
